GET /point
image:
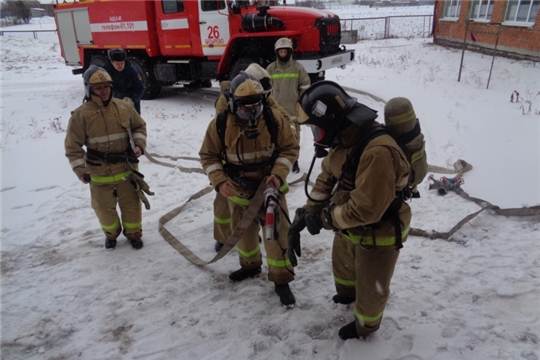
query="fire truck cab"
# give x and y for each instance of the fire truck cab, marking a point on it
(195, 41)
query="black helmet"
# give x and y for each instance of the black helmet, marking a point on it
(246, 90)
(117, 54)
(328, 109)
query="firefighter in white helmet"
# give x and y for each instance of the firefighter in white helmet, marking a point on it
(289, 81)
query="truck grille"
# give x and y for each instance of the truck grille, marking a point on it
(330, 29)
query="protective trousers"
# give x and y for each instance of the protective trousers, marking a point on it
(105, 198)
(280, 270)
(222, 219)
(366, 275)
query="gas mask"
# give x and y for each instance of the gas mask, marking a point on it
(249, 114)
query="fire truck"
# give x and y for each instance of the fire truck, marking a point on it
(193, 42)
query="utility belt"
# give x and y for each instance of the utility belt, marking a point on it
(109, 158)
(392, 214)
(232, 172)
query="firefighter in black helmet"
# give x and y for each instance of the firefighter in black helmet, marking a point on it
(355, 197)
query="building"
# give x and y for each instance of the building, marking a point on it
(509, 27)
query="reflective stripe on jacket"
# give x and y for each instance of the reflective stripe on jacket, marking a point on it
(102, 128)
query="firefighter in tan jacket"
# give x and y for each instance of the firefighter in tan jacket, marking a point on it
(101, 125)
(357, 195)
(256, 143)
(222, 215)
(289, 81)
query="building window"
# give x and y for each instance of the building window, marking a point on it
(481, 10)
(173, 6)
(451, 9)
(523, 11)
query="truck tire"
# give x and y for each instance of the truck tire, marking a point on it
(152, 88)
(98, 60)
(239, 65)
(315, 77)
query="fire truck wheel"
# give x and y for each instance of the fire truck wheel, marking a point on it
(98, 60)
(239, 65)
(152, 88)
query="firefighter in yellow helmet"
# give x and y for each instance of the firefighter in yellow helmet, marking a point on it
(289, 81)
(104, 139)
(256, 142)
(222, 216)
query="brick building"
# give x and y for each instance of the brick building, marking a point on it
(512, 27)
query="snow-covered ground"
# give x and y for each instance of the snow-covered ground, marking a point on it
(65, 297)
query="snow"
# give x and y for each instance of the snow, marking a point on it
(474, 296)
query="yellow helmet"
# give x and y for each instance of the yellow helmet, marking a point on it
(246, 90)
(93, 76)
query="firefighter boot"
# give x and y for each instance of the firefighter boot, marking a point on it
(243, 274)
(296, 168)
(285, 295)
(348, 331)
(218, 246)
(110, 244)
(338, 299)
(136, 243)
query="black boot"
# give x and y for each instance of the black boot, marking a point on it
(110, 244)
(243, 274)
(296, 168)
(338, 299)
(348, 331)
(136, 243)
(218, 246)
(285, 295)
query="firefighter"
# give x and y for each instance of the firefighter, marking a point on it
(256, 143)
(128, 82)
(114, 136)
(222, 216)
(289, 81)
(356, 195)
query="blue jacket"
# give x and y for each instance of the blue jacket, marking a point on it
(127, 83)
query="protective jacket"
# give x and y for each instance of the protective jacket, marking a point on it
(289, 81)
(127, 83)
(360, 205)
(241, 151)
(103, 129)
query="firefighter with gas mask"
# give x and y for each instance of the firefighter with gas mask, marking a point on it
(105, 137)
(355, 196)
(244, 145)
(222, 216)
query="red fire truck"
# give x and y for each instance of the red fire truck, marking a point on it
(195, 41)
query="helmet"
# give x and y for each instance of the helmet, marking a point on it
(117, 54)
(95, 75)
(283, 43)
(328, 109)
(262, 75)
(246, 91)
(399, 116)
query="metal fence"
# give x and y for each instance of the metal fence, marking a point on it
(35, 32)
(398, 26)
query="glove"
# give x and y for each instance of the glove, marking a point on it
(314, 222)
(141, 187)
(293, 237)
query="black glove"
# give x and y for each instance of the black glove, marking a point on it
(293, 237)
(314, 222)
